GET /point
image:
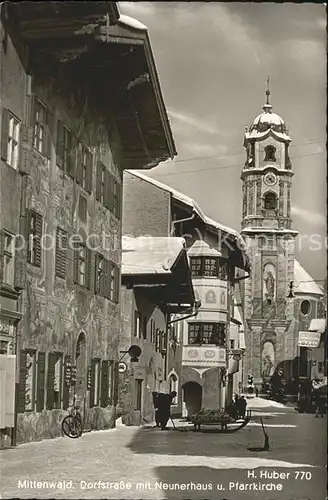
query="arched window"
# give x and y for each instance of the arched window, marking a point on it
(270, 153)
(270, 201)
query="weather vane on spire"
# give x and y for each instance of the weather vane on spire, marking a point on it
(268, 90)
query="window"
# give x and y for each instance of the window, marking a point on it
(321, 366)
(270, 153)
(232, 344)
(40, 126)
(84, 168)
(223, 269)
(157, 339)
(207, 333)
(34, 239)
(82, 265)
(136, 328)
(211, 265)
(270, 201)
(138, 394)
(101, 182)
(305, 307)
(116, 198)
(152, 331)
(10, 138)
(99, 274)
(61, 253)
(8, 259)
(54, 380)
(196, 267)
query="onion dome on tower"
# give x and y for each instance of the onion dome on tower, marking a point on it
(268, 121)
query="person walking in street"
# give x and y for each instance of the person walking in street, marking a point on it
(319, 402)
(242, 406)
(162, 404)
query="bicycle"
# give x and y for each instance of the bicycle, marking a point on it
(72, 425)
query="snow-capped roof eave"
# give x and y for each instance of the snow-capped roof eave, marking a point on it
(194, 205)
(254, 134)
(131, 22)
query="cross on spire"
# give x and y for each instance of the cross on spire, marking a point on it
(268, 91)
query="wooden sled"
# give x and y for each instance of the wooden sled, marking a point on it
(225, 427)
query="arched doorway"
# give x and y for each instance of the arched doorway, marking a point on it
(80, 362)
(192, 396)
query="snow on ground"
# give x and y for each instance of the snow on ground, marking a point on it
(263, 403)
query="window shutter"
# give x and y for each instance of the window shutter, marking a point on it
(2, 243)
(37, 239)
(106, 279)
(96, 280)
(47, 143)
(89, 172)
(61, 253)
(104, 384)
(22, 383)
(98, 181)
(72, 157)
(25, 148)
(60, 145)
(51, 380)
(117, 284)
(4, 134)
(76, 265)
(65, 386)
(119, 201)
(115, 374)
(30, 111)
(40, 381)
(111, 203)
(93, 380)
(107, 189)
(88, 270)
(79, 164)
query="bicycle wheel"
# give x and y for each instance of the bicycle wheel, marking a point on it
(72, 427)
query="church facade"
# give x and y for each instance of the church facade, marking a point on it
(272, 322)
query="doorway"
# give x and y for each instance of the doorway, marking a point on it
(192, 397)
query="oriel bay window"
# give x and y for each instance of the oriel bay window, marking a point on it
(207, 333)
(208, 267)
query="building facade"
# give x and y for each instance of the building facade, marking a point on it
(201, 355)
(272, 321)
(156, 282)
(68, 130)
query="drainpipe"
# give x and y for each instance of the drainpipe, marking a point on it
(179, 221)
(197, 306)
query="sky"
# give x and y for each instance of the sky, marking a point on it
(213, 61)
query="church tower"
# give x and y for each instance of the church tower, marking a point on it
(270, 241)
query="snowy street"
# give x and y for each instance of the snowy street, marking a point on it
(144, 463)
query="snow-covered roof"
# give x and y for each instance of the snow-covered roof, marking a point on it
(150, 255)
(303, 282)
(256, 134)
(186, 200)
(131, 22)
(201, 248)
(271, 118)
(318, 325)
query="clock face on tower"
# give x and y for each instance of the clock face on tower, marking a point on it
(270, 179)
